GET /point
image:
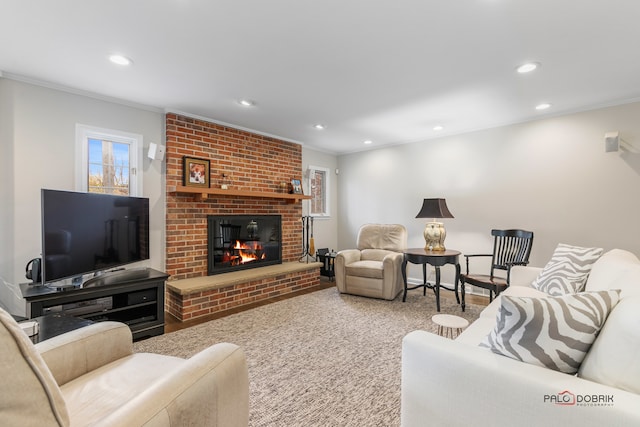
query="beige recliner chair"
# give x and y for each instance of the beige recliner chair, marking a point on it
(91, 376)
(374, 269)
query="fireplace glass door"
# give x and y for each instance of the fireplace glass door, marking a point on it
(236, 242)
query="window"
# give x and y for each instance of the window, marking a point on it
(319, 191)
(107, 161)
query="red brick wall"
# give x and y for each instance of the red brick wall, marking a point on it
(202, 304)
(254, 163)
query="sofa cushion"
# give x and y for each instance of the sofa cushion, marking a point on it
(371, 269)
(628, 283)
(391, 237)
(613, 358)
(616, 269)
(491, 311)
(97, 394)
(553, 332)
(567, 270)
(477, 331)
(30, 395)
(375, 254)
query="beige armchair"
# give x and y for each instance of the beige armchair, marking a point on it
(91, 376)
(374, 269)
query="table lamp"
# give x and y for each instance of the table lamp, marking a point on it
(434, 232)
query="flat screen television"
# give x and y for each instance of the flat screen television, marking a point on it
(88, 232)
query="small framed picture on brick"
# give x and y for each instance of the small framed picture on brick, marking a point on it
(296, 186)
(195, 172)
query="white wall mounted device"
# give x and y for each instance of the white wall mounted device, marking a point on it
(613, 142)
(156, 152)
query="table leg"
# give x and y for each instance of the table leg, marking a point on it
(457, 279)
(424, 279)
(404, 277)
(436, 288)
(462, 291)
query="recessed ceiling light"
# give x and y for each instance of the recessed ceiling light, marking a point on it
(528, 67)
(246, 103)
(368, 141)
(320, 126)
(438, 128)
(543, 106)
(120, 60)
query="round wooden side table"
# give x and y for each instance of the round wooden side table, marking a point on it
(449, 326)
(437, 259)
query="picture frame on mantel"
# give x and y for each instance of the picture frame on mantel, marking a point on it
(296, 186)
(196, 172)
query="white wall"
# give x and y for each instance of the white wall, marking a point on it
(38, 134)
(325, 229)
(550, 176)
(7, 235)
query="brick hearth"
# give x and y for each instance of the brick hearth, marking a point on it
(188, 299)
(254, 163)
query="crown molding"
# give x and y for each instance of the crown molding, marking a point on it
(79, 92)
(221, 123)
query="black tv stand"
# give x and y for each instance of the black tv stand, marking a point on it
(134, 297)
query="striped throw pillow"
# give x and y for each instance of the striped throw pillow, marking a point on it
(567, 270)
(553, 332)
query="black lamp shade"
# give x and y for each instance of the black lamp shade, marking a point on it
(434, 208)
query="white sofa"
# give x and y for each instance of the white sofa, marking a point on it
(457, 383)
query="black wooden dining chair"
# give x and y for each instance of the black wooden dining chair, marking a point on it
(510, 247)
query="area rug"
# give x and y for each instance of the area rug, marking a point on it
(320, 359)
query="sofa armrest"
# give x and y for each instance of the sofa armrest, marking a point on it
(210, 388)
(393, 258)
(348, 256)
(392, 265)
(523, 275)
(457, 384)
(392, 274)
(344, 258)
(83, 350)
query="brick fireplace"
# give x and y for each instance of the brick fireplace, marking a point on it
(250, 163)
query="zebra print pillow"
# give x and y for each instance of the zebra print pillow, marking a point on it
(553, 332)
(567, 270)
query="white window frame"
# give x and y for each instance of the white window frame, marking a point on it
(327, 191)
(135, 142)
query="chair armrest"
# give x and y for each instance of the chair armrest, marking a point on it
(348, 256)
(83, 350)
(344, 258)
(210, 388)
(393, 259)
(392, 264)
(394, 256)
(517, 263)
(457, 384)
(523, 275)
(467, 256)
(476, 255)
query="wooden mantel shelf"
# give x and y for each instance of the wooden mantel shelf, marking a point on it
(203, 193)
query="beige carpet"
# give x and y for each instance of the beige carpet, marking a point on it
(321, 359)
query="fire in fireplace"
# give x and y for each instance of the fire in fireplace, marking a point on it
(236, 242)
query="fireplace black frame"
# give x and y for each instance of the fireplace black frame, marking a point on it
(238, 224)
